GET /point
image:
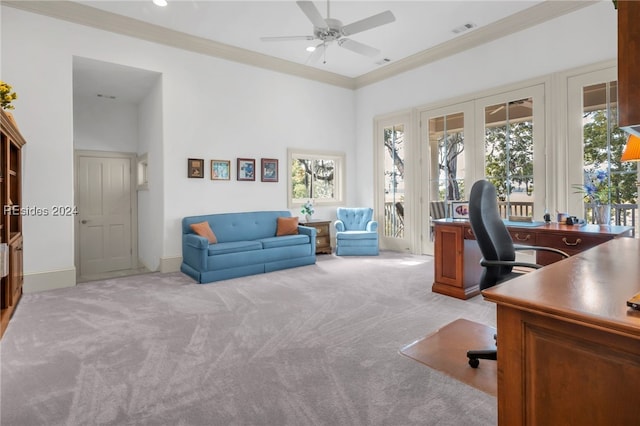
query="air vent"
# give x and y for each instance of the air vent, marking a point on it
(463, 28)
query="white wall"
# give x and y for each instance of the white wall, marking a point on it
(103, 125)
(583, 37)
(150, 201)
(211, 109)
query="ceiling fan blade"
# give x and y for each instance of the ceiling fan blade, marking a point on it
(287, 38)
(358, 47)
(368, 23)
(312, 13)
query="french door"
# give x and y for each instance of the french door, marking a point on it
(446, 158)
(393, 183)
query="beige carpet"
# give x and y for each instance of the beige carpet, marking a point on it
(315, 345)
(446, 351)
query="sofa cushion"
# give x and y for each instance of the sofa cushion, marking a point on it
(234, 247)
(285, 240)
(287, 226)
(204, 230)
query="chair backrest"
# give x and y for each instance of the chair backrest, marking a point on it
(355, 218)
(438, 210)
(490, 231)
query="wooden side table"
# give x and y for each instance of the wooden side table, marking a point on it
(323, 238)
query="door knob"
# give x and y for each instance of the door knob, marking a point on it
(83, 221)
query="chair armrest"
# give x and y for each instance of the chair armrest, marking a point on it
(339, 225)
(484, 262)
(540, 248)
(372, 226)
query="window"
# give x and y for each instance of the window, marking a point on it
(143, 177)
(316, 176)
(516, 156)
(603, 143)
(509, 154)
(446, 138)
(394, 146)
(597, 143)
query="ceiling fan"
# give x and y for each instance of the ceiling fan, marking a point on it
(329, 29)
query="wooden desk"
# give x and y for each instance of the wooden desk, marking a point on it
(568, 346)
(457, 255)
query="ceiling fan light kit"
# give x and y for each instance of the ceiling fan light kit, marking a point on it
(329, 29)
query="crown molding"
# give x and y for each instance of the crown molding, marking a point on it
(527, 18)
(96, 18)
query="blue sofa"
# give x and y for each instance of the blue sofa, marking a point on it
(246, 245)
(356, 232)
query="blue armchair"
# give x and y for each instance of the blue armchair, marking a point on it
(356, 232)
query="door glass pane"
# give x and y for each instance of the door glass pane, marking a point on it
(394, 181)
(446, 141)
(607, 180)
(509, 155)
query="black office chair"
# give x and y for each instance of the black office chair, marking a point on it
(497, 248)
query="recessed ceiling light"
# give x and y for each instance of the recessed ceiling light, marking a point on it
(161, 3)
(311, 48)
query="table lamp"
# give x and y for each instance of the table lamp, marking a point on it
(632, 150)
(632, 153)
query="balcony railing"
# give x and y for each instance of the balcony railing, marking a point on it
(621, 214)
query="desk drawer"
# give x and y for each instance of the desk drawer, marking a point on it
(468, 233)
(573, 243)
(524, 237)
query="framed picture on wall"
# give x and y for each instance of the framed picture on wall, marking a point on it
(195, 168)
(269, 170)
(460, 209)
(246, 169)
(220, 170)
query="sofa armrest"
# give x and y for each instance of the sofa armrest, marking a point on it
(196, 241)
(372, 226)
(339, 225)
(311, 232)
(194, 251)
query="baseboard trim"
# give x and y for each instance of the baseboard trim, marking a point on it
(170, 264)
(51, 280)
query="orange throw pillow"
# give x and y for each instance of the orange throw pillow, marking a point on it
(204, 230)
(287, 226)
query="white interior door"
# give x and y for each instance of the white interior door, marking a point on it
(105, 214)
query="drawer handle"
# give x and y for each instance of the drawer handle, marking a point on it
(564, 240)
(526, 238)
(469, 231)
(319, 231)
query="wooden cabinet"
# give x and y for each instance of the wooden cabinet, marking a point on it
(457, 269)
(323, 237)
(11, 143)
(628, 65)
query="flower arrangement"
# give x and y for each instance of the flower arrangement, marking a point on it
(307, 208)
(6, 95)
(595, 188)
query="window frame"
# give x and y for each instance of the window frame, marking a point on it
(339, 177)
